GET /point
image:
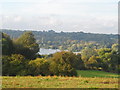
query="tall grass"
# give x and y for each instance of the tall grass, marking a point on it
(85, 79)
(58, 82)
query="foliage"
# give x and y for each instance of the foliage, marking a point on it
(87, 53)
(40, 66)
(62, 64)
(105, 59)
(93, 62)
(72, 41)
(7, 45)
(109, 59)
(26, 45)
(13, 65)
(20, 57)
(115, 47)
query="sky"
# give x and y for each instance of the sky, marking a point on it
(94, 16)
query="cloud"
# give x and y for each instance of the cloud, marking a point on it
(90, 1)
(61, 7)
(98, 16)
(17, 19)
(92, 24)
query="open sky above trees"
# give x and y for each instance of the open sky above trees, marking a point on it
(96, 16)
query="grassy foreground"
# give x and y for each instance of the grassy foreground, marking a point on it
(86, 79)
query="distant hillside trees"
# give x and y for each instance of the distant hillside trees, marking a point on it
(19, 58)
(72, 41)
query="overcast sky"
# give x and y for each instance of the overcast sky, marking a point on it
(96, 16)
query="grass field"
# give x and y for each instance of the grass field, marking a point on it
(86, 80)
(93, 73)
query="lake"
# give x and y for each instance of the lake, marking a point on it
(44, 51)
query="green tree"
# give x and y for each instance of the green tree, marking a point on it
(40, 66)
(87, 53)
(6, 65)
(64, 63)
(74, 60)
(7, 45)
(94, 63)
(109, 59)
(15, 64)
(115, 47)
(28, 44)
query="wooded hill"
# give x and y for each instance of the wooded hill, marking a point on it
(73, 41)
(20, 57)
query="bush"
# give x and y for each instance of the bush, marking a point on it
(62, 64)
(40, 66)
(14, 64)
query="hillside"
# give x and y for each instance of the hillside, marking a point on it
(73, 41)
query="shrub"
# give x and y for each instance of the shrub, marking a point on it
(38, 66)
(62, 64)
(12, 65)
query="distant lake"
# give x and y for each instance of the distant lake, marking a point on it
(44, 51)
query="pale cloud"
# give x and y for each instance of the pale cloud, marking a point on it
(17, 19)
(47, 23)
(49, 1)
(98, 16)
(44, 8)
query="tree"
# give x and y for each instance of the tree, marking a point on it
(61, 68)
(109, 59)
(74, 60)
(87, 53)
(5, 65)
(94, 63)
(7, 45)
(28, 44)
(15, 64)
(64, 63)
(40, 66)
(115, 47)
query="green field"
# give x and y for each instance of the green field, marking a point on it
(86, 79)
(93, 73)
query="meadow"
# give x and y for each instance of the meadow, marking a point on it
(85, 79)
(94, 73)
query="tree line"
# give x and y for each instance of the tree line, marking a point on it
(20, 57)
(72, 41)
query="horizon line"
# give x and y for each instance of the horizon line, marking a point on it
(55, 31)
